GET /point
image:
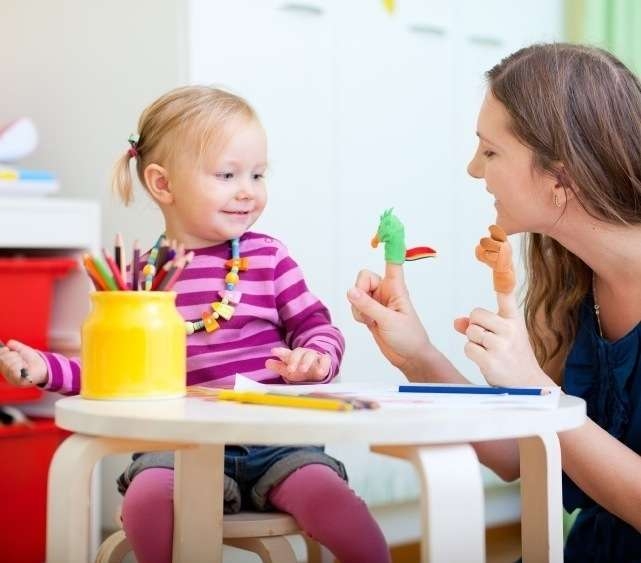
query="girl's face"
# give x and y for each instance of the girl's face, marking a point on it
(523, 196)
(222, 196)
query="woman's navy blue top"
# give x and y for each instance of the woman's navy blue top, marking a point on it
(608, 376)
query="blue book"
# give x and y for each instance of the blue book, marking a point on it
(23, 182)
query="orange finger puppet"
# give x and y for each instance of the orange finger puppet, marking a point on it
(496, 252)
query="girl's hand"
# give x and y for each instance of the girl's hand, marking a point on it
(300, 365)
(14, 357)
(384, 306)
(498, 342)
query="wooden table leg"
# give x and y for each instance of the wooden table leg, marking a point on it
(541, 499)
(198, 504)
(452, 505)
(69, 492)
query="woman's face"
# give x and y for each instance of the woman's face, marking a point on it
(523, 196)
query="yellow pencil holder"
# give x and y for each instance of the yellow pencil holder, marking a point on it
(133, 346)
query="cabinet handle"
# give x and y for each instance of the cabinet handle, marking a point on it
(427, 29)
(302, 8)
(486, 40)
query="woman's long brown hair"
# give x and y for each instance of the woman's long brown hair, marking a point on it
(579, 109)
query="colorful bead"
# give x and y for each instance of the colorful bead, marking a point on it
(224, 310)
(148, 271)
(230, 296)
(231, 278)
(210, 322)
(238, 264)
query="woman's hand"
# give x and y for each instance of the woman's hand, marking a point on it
(383, 305)
(300, 365)
(498, 342)
(16, 357)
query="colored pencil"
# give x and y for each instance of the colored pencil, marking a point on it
(472, 389)
(119, 257)
(163, 254)
(98, 282)
(282, 400)
(172, 277)
(135, 266)
(115, 271)
(160, 276)
(104, 272)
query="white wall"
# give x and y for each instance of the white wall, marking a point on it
(365, 110)
(84, 70)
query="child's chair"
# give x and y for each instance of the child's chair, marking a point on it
(259, 532)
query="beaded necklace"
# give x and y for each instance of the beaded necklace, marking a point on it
(222, 309)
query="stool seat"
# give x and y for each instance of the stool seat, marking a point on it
(258, 524)
(259, 532)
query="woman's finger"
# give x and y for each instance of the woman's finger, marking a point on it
(487, 319)
(461, 324)
(370, 311)
(367, 281)
(508, 307)
(476, 334)
(394, 272)
(482, 337)
(476, 353)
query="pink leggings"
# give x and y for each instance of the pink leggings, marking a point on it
(320, 501)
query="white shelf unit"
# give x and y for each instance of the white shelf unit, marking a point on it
(39, 226)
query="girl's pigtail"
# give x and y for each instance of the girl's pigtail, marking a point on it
(121, 182)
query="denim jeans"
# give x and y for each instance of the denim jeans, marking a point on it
(250, 471)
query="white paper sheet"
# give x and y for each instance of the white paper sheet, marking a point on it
(387, 395)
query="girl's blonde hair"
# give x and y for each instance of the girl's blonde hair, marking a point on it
(581, 107)
(187, 118)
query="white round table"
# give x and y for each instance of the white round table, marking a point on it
(434, 438)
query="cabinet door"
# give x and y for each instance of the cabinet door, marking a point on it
(393, 149)
(485, 33)
(277, 54)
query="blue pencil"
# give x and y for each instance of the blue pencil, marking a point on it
(471, 390)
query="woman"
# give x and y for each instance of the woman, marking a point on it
(560, 150)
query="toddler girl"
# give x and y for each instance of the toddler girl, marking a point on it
(201, 153)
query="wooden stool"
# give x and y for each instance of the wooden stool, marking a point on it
(259, 532)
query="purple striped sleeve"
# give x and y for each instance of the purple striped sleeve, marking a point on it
(63, 374)
(307, 321)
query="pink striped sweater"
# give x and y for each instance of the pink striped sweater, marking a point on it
(276, 309)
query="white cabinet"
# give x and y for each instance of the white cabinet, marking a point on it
(366, 110)
(275, 54)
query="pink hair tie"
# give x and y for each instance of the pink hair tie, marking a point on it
(133, 141)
